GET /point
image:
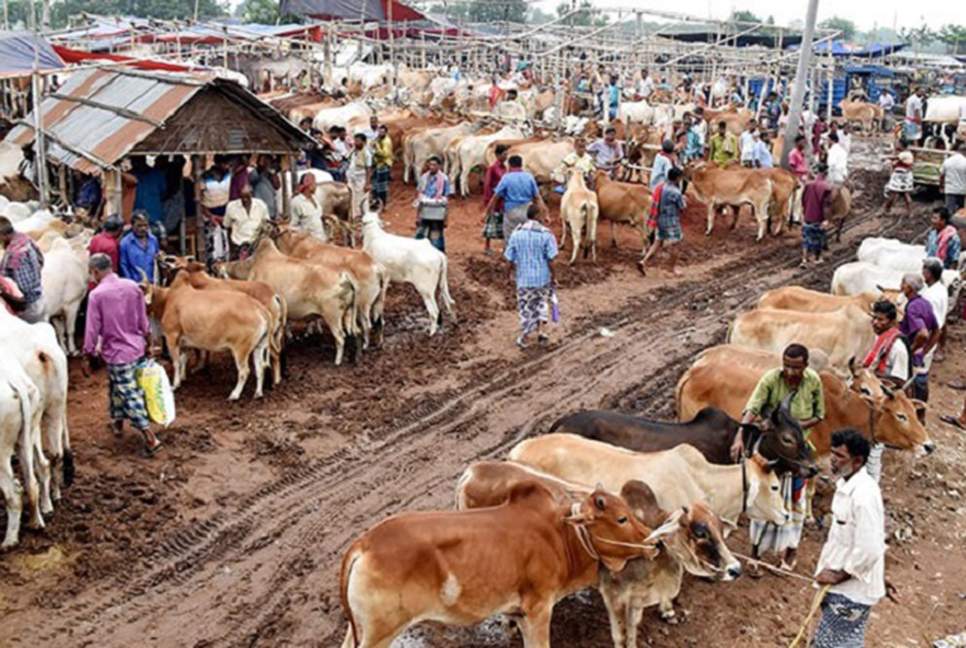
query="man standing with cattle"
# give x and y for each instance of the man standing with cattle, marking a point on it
(724, 146)
(802, 388)
(816, 203)
(432, 205)
(943, 240)
(912, 127)
(668, 203)
(889, 360)
(920, 328)
(518, 190)
(852, 563)
(607, 152)
(117, 329)
(22, 263)
(952, 176)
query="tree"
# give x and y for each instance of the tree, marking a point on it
(538, 16)
(485, 11)
(844, 25)
(587, 15)
(62, 10)
(919, 36)
(263, 12)
(954, 37)
(743, 15)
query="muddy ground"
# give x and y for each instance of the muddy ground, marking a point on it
(233, 536)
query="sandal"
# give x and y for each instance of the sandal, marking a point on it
(543, 338)
(952, 420)
(153, 450)
(522, 344)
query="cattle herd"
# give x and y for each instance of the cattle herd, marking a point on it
(628, 505)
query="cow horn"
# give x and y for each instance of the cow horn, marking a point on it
(672, 524)
(786, 404)
(144, 276)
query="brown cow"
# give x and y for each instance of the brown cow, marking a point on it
(461, 567)
(623, 202)
(797, 298)
(218, 320)
(869, 115)
(840, 209)
(257, 290)
(370, 275)
(885, 416)
(733, 188)
(693, 537)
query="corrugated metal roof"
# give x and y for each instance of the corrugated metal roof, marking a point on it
(100, 131)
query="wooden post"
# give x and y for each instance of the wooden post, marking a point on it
(197, 163)
(287, 187)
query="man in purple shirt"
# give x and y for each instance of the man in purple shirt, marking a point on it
(920, 329)
(816, 201)
(117, 323)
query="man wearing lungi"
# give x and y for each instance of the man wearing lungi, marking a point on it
(807, 405)
(853, 558)
(518, 190)
(816, 202)
(531, 249)
(117, 330)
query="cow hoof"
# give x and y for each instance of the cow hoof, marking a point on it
(8, 545)
(670, 618)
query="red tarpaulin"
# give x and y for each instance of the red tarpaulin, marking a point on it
(77, 56)
(351, 10)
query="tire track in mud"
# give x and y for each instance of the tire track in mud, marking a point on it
(253, 565)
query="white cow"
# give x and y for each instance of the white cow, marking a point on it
(18, 428)
(411, 261)
(340, 115)
(856, 277)
(36, 348)
(64, 284)
(471, 153)
(639, 112)
(38, 220)
(892, 254)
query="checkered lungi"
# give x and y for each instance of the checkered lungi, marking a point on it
(813, 237)
(843, 623)
(493, 227)
(533, 304)
(768, 536)
(126, 398)
(381, 176)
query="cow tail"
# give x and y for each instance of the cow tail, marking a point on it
(349, 294)
(347, 565)
(731, 330)
(379, 305)
(444, 284)
(278, 316)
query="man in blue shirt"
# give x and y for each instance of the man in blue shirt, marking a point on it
(151, 189)
(519, 190)
(532, 249)
(613, 97)
(138, 249)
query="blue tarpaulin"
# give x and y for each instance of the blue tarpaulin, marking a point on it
(872, 50)
(17, 54)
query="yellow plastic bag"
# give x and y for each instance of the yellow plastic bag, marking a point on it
(158, 395)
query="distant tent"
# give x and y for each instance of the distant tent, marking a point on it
(351, 10)
(17, 54)
(872, 50)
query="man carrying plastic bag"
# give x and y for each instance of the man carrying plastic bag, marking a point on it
(118, 331)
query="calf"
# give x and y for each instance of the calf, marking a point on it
(678, 476)
(464, 566)
(309, 290)
(578, 210)
(217, 320)
(411, 261)
(711, 431)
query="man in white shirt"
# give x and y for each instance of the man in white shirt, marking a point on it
(645, 86)
(952, 176)
(887, 103)
(853, 558)
(747, 144)
(961, 130)
(243, 219)
(845, 138)
(913, 123)
(838, 161)
(938, 296)
(888, 359)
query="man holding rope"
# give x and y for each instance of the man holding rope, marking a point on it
(852, 563)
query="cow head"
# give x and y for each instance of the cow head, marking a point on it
(693, 535)
(606, 522)
(894, 418)
(764, 497)
(780, 439)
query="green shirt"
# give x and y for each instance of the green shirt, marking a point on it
(723, 149)
(809, 402)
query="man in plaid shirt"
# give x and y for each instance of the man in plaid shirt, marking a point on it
(532, 249)
(22, 262)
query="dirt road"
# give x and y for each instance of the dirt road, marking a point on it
(240, 541)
